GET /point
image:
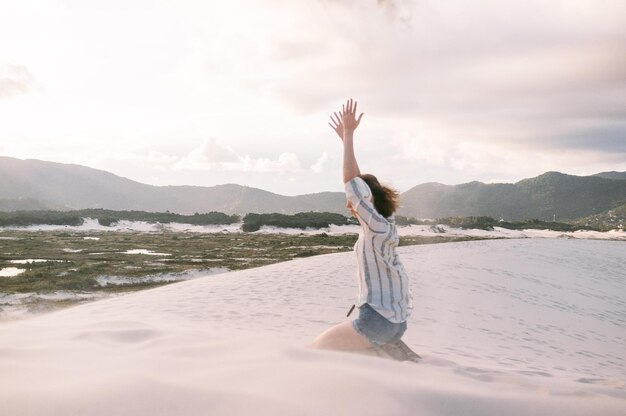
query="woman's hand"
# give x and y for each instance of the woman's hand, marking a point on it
(348, 119)
(337, 125)
(345, 122)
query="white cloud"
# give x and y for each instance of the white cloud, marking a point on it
(287, 162)
(499, 72)
(320, 165)
(15, 80)
(464, 161)
(160, 161)
(18, 7)
(467, 157)
(213, 155)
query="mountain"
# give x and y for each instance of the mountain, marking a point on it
(612, 175)
(36, 184)
(435, 200)
(552, 195)
(27, 204)
(40, 184)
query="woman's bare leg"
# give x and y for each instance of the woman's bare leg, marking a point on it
(342, 337)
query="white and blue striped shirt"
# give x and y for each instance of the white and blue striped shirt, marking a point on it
(383, 282)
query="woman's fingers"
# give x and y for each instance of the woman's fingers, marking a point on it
(345, 121)
(336, 121)
(348, 107)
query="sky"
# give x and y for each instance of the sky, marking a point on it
(241, 91)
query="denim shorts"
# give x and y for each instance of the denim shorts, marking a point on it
(376, 328)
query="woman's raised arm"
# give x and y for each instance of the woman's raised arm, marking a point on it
(345, 126)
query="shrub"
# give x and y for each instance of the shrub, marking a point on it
(107, 217)
(302, 220)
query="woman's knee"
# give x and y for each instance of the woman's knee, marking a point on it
(341, 337)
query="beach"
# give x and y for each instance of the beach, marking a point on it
(515, 326)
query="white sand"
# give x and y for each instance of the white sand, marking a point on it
(506, 327)
(91, 224)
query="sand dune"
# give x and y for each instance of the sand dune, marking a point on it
(515, 327)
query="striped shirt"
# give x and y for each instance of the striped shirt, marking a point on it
(383, 282)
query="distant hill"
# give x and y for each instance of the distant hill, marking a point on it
(40, 184)
(30, 204)
(552, 195)
(612, 175)
(35, 184)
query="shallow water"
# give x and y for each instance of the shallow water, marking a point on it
(144, 251)
(29, 261)
(10, 271)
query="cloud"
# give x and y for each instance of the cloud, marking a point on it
(493, 72)
(287, 162)
(607, 138)
(435, 158)
(213, 155)
(15, 8)
(460, 156)
(399, 11)
(160, 161)
(320, 165)
(15, 80)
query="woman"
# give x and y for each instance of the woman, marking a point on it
(384, 298)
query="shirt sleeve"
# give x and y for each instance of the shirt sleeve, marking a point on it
(359, 195)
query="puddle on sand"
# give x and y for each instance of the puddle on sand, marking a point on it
(144, 251)
(10, 271)
(29, 261)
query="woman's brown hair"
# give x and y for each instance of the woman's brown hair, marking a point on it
(386, 200)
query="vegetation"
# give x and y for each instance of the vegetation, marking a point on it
(302, 220)
(613, 219)
(488, 223)
(543, 225)
(108, 217)
(404, 221)
(481, 223)
(25, 218)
